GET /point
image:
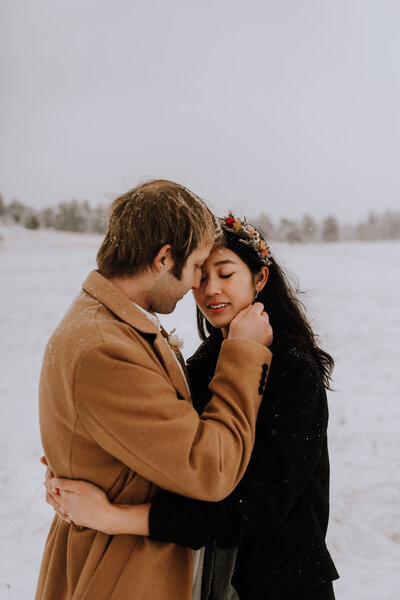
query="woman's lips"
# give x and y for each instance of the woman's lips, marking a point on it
(217, 308)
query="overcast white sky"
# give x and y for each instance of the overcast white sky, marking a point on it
(281, 106)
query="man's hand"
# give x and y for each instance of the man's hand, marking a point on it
(252, 323)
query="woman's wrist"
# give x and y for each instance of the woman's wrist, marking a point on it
(110, 520)
(128, 519)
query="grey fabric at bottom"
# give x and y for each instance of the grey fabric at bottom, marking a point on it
(219, 564)
(197, 561)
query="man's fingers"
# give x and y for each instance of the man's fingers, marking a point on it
(252, 323)
(243, 312)
(247, 309)
(258, 307)
(266, 317)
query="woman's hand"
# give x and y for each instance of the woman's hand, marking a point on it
(81, 503)
(52, 495)
(84, 504)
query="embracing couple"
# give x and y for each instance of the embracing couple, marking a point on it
(170, 481)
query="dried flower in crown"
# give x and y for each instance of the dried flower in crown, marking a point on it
(248, 235)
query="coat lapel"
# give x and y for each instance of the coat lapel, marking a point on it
(110, 296)
(171, 366)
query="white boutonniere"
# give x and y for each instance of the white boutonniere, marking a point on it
(175, 342)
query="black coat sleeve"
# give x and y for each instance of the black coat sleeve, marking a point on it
(183, 521)
(291, 432)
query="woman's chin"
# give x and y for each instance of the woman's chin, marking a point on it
(220, 322)
(219, 318)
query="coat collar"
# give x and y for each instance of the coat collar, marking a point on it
(108, 294)
(209, 348)
(105, 292)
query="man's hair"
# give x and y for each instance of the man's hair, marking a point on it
(146, 218)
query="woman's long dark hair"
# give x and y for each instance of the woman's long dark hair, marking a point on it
(286, 312)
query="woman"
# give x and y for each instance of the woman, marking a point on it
(267, 539)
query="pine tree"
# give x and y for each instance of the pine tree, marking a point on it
(330, 230)
(16, 210)
(309, 229)
(31, 221)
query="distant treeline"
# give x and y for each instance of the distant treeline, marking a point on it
(385, 226)
(79, 216)
(73, 215)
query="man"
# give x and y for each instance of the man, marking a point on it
(115, 406)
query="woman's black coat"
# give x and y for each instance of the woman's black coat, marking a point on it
(278, 514)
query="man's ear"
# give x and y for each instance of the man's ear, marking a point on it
(163, 259)
(261, 278)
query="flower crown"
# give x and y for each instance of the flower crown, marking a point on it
(247, 235)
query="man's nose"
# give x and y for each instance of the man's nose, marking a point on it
(196, 281)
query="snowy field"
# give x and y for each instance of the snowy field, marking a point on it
(353, 292)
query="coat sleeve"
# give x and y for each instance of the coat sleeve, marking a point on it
(288, 447)
(128, 405)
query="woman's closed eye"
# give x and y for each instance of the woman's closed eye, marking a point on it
(220, 275)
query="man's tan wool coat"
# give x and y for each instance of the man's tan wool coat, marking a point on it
(115, 410)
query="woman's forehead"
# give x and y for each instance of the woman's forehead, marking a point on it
(221, 254)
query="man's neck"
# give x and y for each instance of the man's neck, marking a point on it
(136, 288)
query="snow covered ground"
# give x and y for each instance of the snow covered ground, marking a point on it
(353, 297)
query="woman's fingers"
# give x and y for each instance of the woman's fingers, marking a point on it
(66, 485)
(59, 507)
(48, 479)
(51, 501)
(55, 502)
(48, 475)
(53, 497)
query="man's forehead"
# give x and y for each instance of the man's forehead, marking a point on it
(203, 252)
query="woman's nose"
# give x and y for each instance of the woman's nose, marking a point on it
(212, 288)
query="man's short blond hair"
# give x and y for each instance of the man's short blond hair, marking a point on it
(146, 218)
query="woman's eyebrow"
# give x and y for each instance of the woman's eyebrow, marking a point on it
(224, 262)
